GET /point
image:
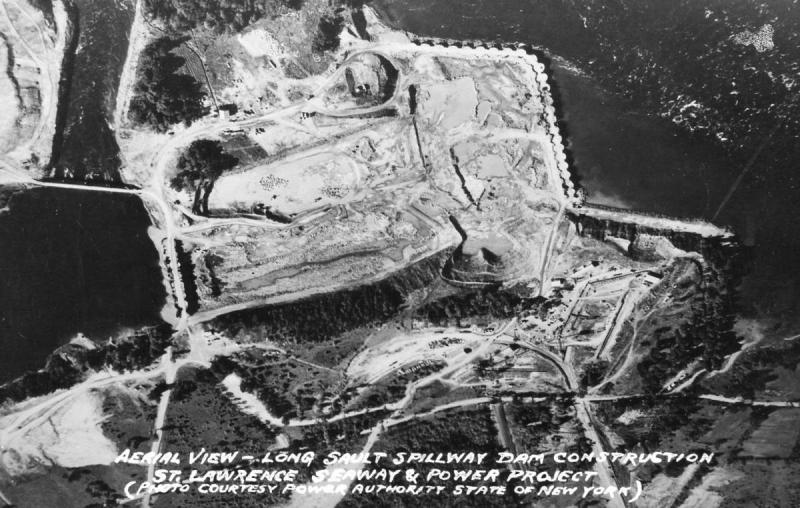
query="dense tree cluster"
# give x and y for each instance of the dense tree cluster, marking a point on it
(475, 307)
(204, 416)
(703, 329)
(219, 15)
(161, 97)
(466, 430)
(287, 388)
(593, 373)
(198, 168)
(533, 423)
(69, 364)
(757, 367)
(188, 279)
(327, 36)
(665, 415)
(46, 6)
(329, 315)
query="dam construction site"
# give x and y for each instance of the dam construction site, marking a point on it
(379, 237)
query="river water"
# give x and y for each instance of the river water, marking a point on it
(87, 147)
(78, 261)
(72, 261)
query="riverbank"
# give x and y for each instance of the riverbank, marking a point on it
(88, 149)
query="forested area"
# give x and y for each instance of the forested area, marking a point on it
(466, 430)
(46, 6)
(219, 15)
(201, 415)
(327, 36)
(756, 368)
(477, 306)
(199, 166)
(703, 330)
(327, 315)
(532, 423)
(162, 97)
(68, 365)
(665, 423)
(288, 388)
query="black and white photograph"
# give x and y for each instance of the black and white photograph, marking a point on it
(400, 253)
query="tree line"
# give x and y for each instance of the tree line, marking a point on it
(199, 166)
(218, 15)
(162, 97)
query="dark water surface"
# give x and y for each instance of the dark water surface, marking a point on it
(71, 261)
(633, 160)
(87, 146)
(626, 155)
(78, 261)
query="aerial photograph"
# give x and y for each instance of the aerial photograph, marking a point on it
(400, 253)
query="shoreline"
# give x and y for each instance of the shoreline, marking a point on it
(137, 39)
